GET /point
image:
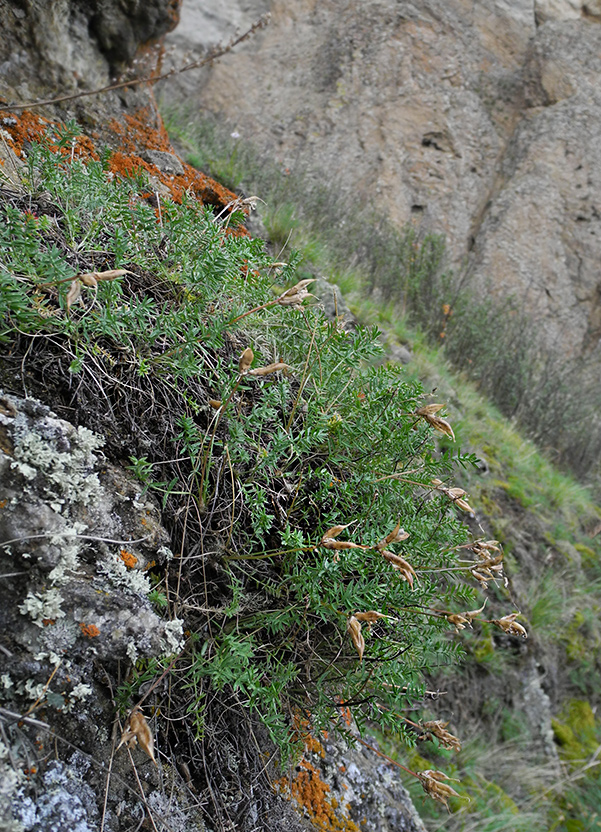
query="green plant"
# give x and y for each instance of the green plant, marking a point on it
(294, 463)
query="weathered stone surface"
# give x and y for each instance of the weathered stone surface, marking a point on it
(480, 121)
(75, 536)
(53, 49)
(166, 162)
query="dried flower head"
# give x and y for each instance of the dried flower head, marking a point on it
(510, 626)
(437, 728)
(428, 413)
(432, 784)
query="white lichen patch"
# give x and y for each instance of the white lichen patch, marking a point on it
(67, 476)
(30, 689)
(52, 657)
(6, 681)
(165, 552)
(81, 691)
(173, 636)
(11, 778)
(67, 566)
(120, 576)
(65, 801)
(42, 606)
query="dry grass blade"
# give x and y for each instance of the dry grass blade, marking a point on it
(354, 628)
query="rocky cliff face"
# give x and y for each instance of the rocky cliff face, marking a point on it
(476, 120)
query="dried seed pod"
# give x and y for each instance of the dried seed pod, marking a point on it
(371, 616)
(510, 626)
(395, 536)
(459, 621)
(432, 785)
(438, 729)
(270, 368)
(428, 413)
(73, 294)
(246, 359)
(91, 279)
(136, 730)
(296, 294)
(354, 628)
(328, 540)
(401, 565)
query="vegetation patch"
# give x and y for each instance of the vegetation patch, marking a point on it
(317, 558)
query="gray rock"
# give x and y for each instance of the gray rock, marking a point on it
(165, 162)
(480, 121)
(333, 303)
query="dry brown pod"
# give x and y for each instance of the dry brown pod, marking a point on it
(510, 626)
(354, 628)
(401, 565)
(438, 729)
(428, 413)
(91, 279)
(136, 730)
(246, 359)
(432, 784)
(269, 369)
(396, 536)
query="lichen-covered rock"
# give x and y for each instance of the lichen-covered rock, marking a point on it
(350, 788)
(77, 536)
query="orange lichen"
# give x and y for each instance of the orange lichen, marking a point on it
(47, 622)
(128, 558)
(313, 795)
(89, 630)
(143, 130)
